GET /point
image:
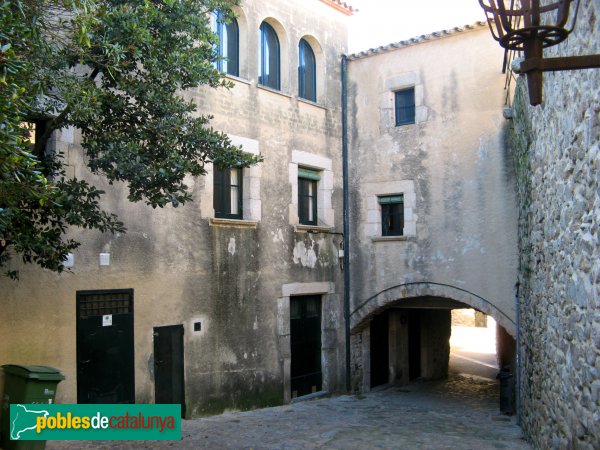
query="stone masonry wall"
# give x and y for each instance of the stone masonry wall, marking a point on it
(556, 152)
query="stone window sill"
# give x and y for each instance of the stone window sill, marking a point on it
(311, 103)
(393, 238)
(312, 229)
(232, 223)
(238, 79)
(273, 91)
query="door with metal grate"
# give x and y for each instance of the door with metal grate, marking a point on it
(105, 364)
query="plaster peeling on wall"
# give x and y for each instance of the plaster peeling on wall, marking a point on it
(305, 256)
(228, 356)
(231, 246)
(472, 244)
(277, 236)
(439, 256)
(324, 256)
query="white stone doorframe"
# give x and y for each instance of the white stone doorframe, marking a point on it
(327, 292)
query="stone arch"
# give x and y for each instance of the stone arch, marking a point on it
(361, 315)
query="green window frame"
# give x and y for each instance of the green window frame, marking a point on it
(392, 214)
(307, 195)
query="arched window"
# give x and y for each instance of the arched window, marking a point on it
(269, 57)
(307, 72)
(228, 47)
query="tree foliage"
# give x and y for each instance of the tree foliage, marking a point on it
(113, 69)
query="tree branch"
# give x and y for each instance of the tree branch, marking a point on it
(55, 123)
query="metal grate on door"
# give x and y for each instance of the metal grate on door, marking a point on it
(104, 303)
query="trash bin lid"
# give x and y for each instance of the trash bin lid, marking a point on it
(42, 373)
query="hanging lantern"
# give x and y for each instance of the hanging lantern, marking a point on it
(529, 26)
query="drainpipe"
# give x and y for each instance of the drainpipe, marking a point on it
(346, 218)
(518, 356)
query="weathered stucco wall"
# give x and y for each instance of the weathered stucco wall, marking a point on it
(556, 148)
(185, 267)
(460, 233)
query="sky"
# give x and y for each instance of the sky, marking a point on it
(381, 22)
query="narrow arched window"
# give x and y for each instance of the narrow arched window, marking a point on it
(307, 72)
(226, 28)
(269, 57)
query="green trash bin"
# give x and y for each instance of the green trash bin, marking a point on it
(26, 384)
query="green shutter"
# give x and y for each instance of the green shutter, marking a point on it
(308, 174)
(390, 199)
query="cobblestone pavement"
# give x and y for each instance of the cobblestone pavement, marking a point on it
(460, 413)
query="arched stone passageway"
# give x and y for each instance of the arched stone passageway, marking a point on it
(403, 333)
(445, 295)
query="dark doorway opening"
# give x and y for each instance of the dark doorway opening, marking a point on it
(169, 386)
(379, 346)
(414, 344)
(305, 329)
(105, 355)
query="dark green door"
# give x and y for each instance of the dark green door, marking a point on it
(105, 366)
(380, 348)
(414, 344)
(305, 328)
(168, 366)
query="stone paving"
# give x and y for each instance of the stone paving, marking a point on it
(461, 413)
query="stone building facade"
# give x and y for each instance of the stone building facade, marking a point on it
(441, 215)
(199, 304)
(556, 148)
(447, 169)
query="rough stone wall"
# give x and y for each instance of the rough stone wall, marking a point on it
(186, 267)
(556, 148)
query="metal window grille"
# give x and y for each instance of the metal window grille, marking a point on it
(100, 304)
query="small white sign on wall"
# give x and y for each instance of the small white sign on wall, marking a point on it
(107, 320)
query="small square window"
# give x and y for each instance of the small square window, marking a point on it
(392, 215)
(404, 101)
(227, 195)
(307, 196)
